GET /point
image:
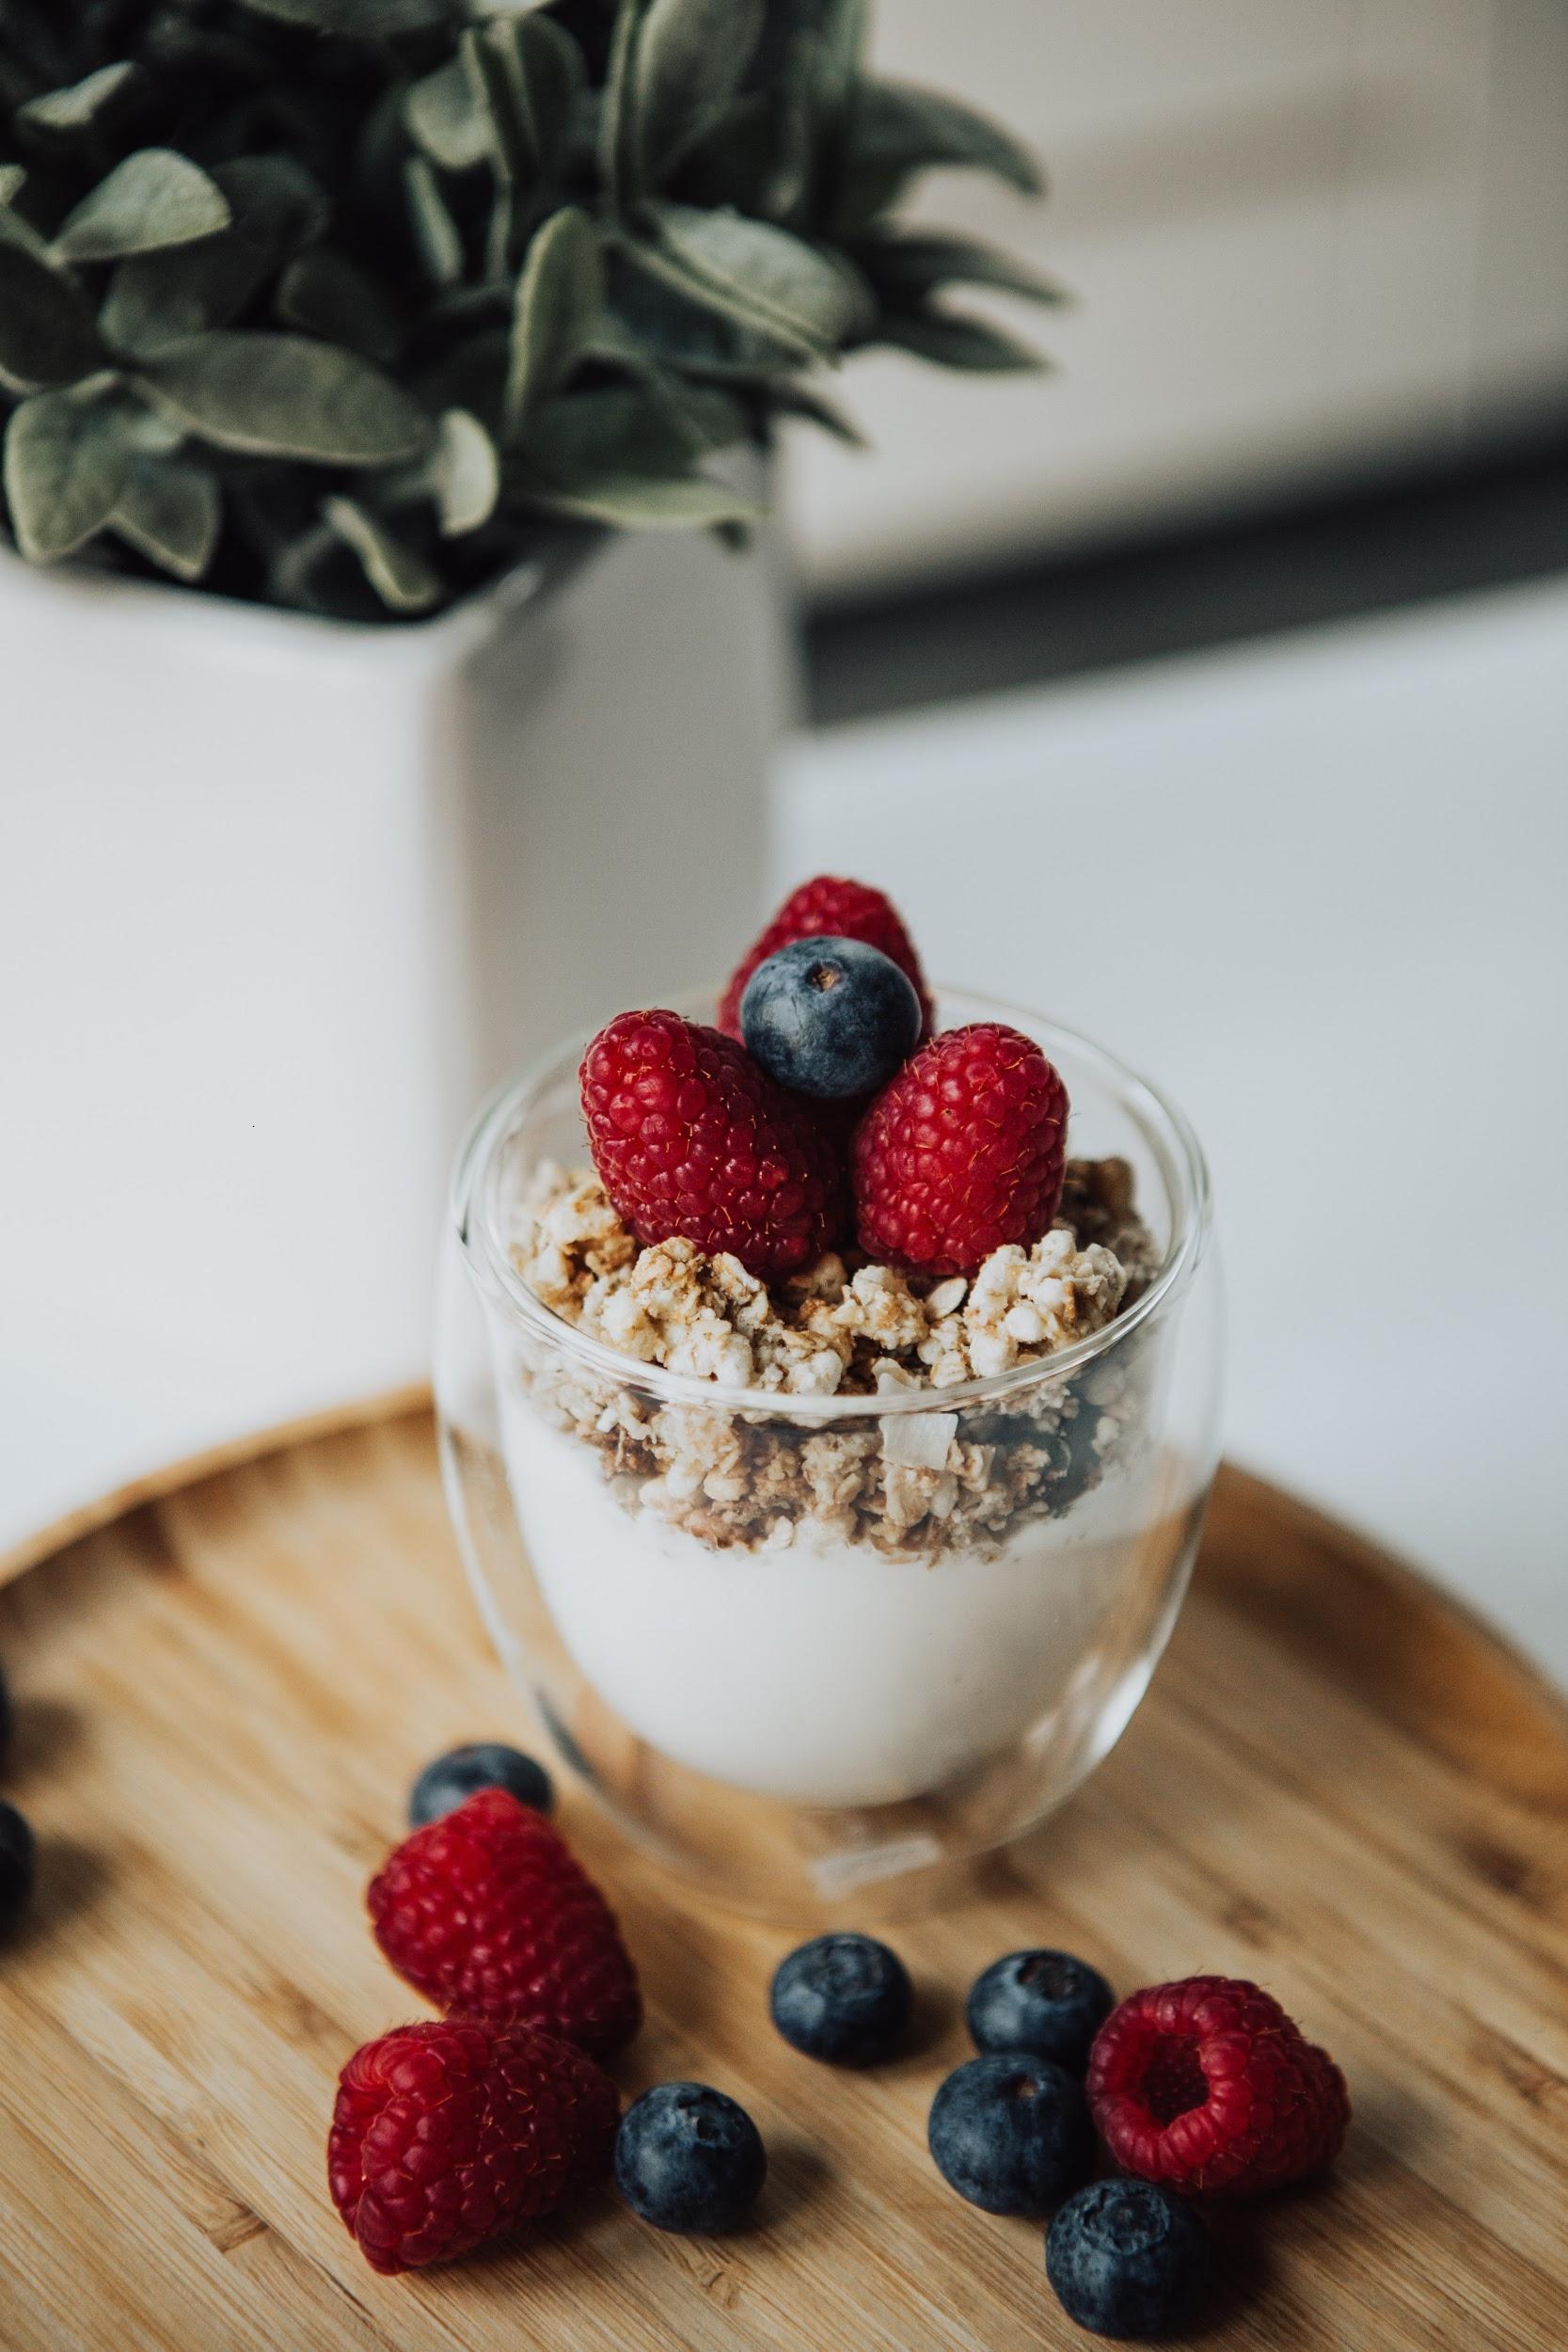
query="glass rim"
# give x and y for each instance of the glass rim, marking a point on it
(1164, 1125)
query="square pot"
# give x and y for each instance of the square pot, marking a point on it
(279, 899)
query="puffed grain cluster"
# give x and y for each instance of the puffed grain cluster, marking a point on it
(918, 1483)
(832, 1330)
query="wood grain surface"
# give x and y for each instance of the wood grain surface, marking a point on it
(1339, 1785)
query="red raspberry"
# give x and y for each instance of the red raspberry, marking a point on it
(486, 1912)
(1206, 2086)
(961, 1152)
(691, 1137)
(446, 2132)
(829, 908)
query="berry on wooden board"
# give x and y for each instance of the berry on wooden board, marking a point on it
(1011, 2133)
(452, 1778)
(1041, 2001)
(843, 1998)
(487, 1912)
(687, 2158)
(446, 2132)
(1128, 2260)
(1206, 2086)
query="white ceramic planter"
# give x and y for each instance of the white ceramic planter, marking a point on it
(278, 900)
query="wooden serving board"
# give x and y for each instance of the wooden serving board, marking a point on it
(1340, 1785)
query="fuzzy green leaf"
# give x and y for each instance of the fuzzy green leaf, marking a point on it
(497, 86)
(757, 274)
(690, 60)
(841, 46)
(147, 432)
(618, 429)
(466, 473)
(399, 574)
(155, 198)
(639, 502)
(300, 571)
(783, 397)
(696, 415)
(787, 193)
(287, 396)
(46, 331)
(951, 341)
(436, 232)
(555, 75)
(529, 72)
(904, 270)
(60, 116)
(707, 417)
(648, 320)
(624, 454)
(66, 465)
(446, 117)
(814, 101)
(13, 180)
(160, 298)
(617, 116)
(368, 180)
(171, 513)
(467, 310)
(324, 293)
(277, 204)
(559, 298)
(355, 20)
(897, 130)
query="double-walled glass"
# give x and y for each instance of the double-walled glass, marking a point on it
(812, 1650)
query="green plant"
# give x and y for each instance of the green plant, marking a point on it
(347, 304)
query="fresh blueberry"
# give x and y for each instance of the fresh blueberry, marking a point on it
(844, 1998)
(1128, 2259)
(1011, 2133)
(454, 1777)
(1047, 2003)
(830, 1017)
(18, 1866)
(687, 2158)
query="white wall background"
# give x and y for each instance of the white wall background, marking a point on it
(1316, 887)
(1299, 233)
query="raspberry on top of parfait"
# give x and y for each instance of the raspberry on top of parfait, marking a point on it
(830, 907)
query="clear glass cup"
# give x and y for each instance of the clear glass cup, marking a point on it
(792, 1652)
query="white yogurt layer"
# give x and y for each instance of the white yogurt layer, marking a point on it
(823, 1673)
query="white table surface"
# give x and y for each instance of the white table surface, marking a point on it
(1316, 886)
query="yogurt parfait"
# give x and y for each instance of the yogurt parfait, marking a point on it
(828, 1397)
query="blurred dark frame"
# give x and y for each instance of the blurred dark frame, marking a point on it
(1403, 538)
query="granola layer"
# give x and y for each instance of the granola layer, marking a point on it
(918, 1483)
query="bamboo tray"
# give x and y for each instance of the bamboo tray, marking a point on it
(1340, 1785)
